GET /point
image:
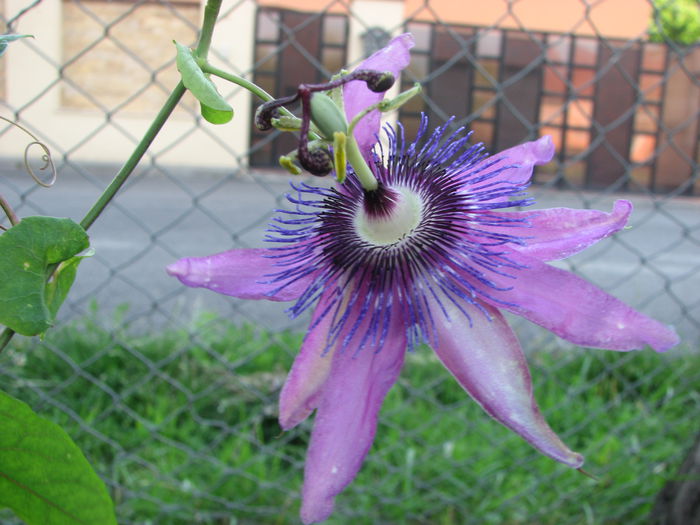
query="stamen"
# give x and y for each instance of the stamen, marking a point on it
(422, 234)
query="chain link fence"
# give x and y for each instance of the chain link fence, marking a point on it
(171, 392)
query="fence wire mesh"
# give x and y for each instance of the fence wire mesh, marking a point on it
(171, 392)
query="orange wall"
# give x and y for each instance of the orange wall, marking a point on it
(611, 18)
(306, 5)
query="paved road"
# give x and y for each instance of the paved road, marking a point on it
(654, 265)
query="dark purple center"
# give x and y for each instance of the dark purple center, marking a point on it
(379, 203)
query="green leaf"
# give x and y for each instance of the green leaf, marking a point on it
(214, 108)
(29, 252)
(215, 116)
(60, 284)
(4, 39)
(44, 477)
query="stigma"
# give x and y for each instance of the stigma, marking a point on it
(388, 216)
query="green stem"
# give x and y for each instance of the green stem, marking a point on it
(246, 84)
(8, 211)
(122, 175)
(211, 13)
(135, 158)
(5, 337)
(235, 79)
(358, 163)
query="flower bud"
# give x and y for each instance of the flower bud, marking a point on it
(327, 116)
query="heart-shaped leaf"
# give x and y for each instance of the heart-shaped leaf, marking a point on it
(44, 477)
(213, 106)
(29, 252)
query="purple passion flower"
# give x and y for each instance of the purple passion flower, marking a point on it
(433, 254)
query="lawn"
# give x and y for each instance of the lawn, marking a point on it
(182, 426)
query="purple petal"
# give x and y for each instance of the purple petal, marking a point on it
(487, 360)
(525, 156)
(393, 58)
(557, 233)
(309, 372)
(240, 273)
(346, 419)
(575, 309)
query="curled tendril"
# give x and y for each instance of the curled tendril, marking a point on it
(46, 157)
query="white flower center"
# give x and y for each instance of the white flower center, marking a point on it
(392, 228)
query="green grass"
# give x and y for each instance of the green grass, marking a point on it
(182, 426)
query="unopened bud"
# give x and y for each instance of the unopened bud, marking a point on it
(327, 116)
